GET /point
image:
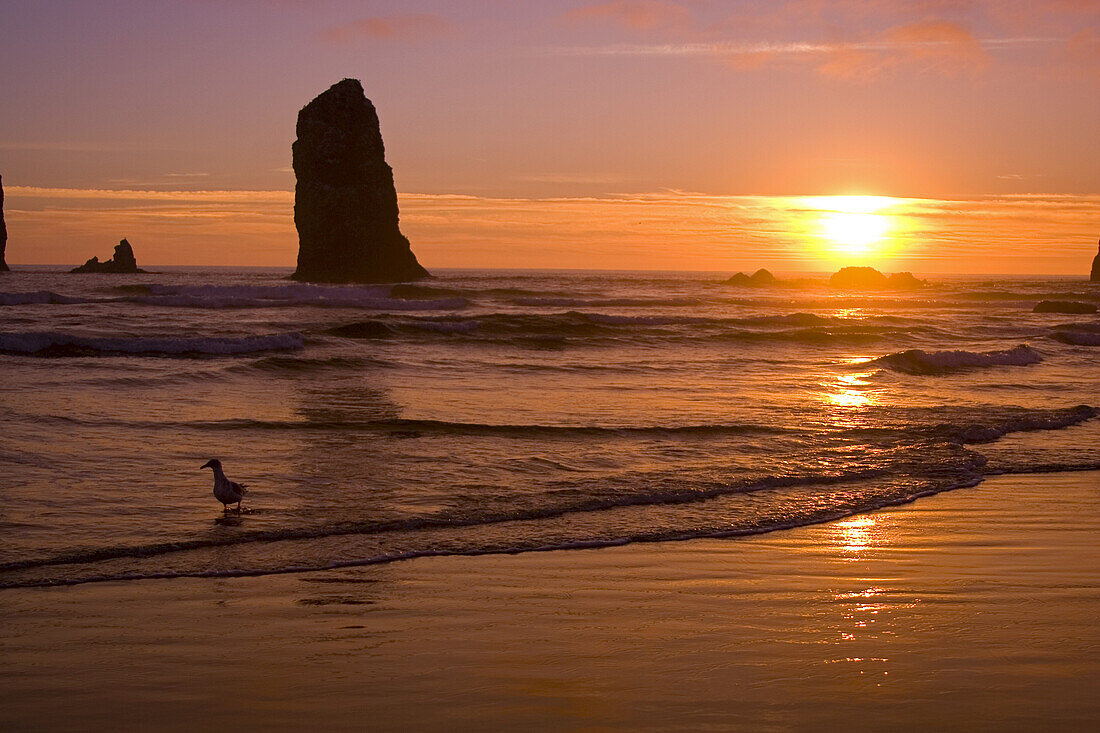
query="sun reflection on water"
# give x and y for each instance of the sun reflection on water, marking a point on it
(856, 534)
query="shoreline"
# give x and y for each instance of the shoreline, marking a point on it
(969, 609)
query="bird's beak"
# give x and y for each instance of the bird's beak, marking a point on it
(208, 464)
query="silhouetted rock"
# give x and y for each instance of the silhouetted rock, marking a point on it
(905, 281)
(1095, 277)
(859, 278)
(345, 203)
(739, 279)
(1064, 306)
(868, 278)
(3, 230)
(760, 278)
(122, 263)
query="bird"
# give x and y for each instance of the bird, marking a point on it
(225, 491)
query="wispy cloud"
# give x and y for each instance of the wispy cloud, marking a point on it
(395, 27)
(634, 14)
(930, 45)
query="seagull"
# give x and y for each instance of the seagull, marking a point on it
(225, 491)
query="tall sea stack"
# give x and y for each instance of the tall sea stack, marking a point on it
(3, 230)
(1095, 267)
(345, 203)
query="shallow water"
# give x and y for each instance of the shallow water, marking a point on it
(502, 411)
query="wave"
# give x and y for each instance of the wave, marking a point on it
(917, 361)
(1025, 422)
(523, 328)
(42, 297)
(818, 516)
(404, 427)
(361, 330)
(560, 302)
(919, 474)
(296, 365)
(269, 296)
(50, 344)
(1077, 337)
(670, 497)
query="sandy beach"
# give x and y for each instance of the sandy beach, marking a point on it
(971, 610)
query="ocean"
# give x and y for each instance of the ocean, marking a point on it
(504, 411)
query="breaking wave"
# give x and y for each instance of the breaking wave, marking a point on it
(918, 361)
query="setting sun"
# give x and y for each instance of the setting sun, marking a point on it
(855, 232)
(852, 224)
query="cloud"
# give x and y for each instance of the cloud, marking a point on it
(395, 27)
(633, 14)
(937, 46)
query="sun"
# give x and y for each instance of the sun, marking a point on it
(854, 225)
(855, 232)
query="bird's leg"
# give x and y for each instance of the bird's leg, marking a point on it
(238, 507)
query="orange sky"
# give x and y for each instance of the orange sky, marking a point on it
(669, 231)
(565, 134)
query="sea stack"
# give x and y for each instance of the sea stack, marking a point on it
(345, 203)
(122, 263)
(4, 230)
(1095, 277)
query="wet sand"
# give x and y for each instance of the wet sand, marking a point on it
(971, 610)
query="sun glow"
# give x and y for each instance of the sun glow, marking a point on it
(854, 225)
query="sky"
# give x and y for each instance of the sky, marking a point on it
(631, 134)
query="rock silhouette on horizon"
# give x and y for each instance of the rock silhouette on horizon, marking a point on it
(123, 262)
(868, 278)
(3, 230)
(759, 279)
(345, 202)
(1095, 276)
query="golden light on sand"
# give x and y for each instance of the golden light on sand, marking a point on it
(853, 225)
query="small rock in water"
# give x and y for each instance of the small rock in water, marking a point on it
(868, 278)
(760, 278)
(123, 262)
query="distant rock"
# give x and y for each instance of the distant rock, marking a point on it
(759, 279)
(3, 230)
(859, 278)
(868, 278)
(1064, 306)
(905, 281)
(345, 203)
(122, 263)
(1095, 277)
